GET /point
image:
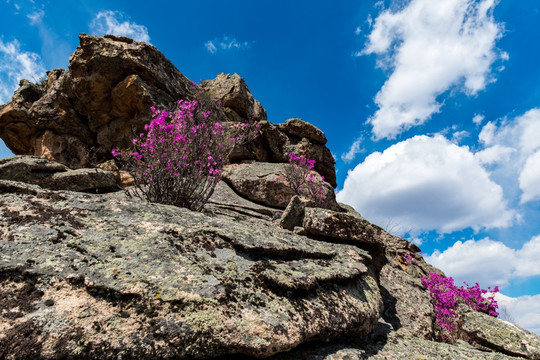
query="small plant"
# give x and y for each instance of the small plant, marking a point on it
(408, 259)
(179, 157)
(446, 298)
(301, 180)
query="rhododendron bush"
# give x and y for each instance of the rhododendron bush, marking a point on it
(446, 298)
(179, 157)
(300, 178)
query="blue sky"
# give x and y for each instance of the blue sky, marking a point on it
(431, 108)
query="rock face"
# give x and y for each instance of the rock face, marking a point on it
(86, 275)
(77, 116)
(233, 93)
(102, 99)
(107, 274)
(88, 271)
(52, 175)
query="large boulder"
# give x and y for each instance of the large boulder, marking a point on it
(76, 116)
(281, 141)
(265, 183)
(488, 332)
(105, 275)
(231, 92)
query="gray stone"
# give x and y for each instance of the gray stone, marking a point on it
(303, 129)
(294, 214)
(52, 175)
(153, 281)
(263, 183)
(492, 333)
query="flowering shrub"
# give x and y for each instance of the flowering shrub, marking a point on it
(179, 157)
(301, 180)
(446, 297)
(408, 259)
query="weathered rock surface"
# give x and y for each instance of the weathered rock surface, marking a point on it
(487, 331)
(294, 213)
(232, 93)
(281, 141)
(350, 227)
(102, 100)
(52, 175)
(106, 275)
(301, 128)
(393, 348)
(103, 274)
(77, 116)
(86, 271)
(263, 183)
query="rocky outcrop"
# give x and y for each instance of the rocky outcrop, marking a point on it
(77, 116)
(89, 271)
(102, 100)
(104, 274)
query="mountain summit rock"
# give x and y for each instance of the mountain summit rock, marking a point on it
(86, 271)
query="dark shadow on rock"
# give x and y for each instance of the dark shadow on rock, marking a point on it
(390, 312)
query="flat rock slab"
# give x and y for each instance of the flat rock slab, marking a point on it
(351, 227)
(394, 348)
(52, 175)
(104, 275)
(490, 332)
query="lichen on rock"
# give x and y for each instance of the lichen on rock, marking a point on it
(87, 271)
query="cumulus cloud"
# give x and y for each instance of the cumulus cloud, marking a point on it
(225, 43)
(529, 179)
(426, 183)
(15, 65)
(115, 23)
(524, 311)
(494, 154)
(431, 47)
(488, 262)
(513, 147)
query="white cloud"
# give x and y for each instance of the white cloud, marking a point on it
(524, 310)
(513, 146)
(225, 43)
(114, 23)
(529, 179)
(36, 16)
(488, 262)
(426, 183)
(353, 151)
(16, 65)
(494, 154)
(459, 135)
(431, 47)
(477, 119)
(211, 47)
